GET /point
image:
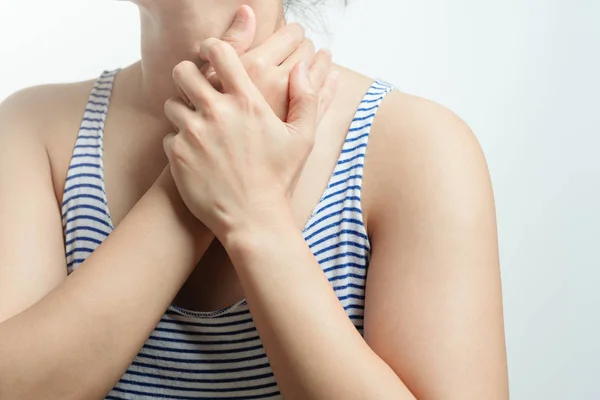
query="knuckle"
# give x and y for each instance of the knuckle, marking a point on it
(219, 49)
(178, 150)
(182, 69)
(309, 45)
(192, 126)
(257, 65)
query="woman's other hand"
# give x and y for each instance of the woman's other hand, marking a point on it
(270, 64)
(234, 161)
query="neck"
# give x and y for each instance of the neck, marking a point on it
(170, 35)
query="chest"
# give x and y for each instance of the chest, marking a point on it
(133, 161)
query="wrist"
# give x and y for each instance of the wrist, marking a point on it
(267, 226)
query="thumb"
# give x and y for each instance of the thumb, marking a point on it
(240, 36)
(242, 31)
(304, 104)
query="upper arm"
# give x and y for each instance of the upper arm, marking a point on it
(434, 305)
(32, 260)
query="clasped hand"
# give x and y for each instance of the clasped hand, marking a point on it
(235, 161)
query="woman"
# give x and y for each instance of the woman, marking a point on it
(223, 191)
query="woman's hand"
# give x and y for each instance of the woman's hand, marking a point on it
(234, 161)
(270, 63)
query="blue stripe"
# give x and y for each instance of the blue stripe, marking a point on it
(206, 352)
(93, 119)
(188, 389)
(379, 92)
(343, 255)
(83, 185)
(83, 239)
(86, 155)
(354, 307)
(87, 146)
(88, 137)
(80, 250)
(360, 128)
(96, 103)
(372, 100)
(349, 286)
(196, 380)
(227, 333)
(193, 371)
(346, 276)
(346, 180)
(335, 203)
(355, 187)
(88, 218)
(351, 159)
(179, 397)
(89, 128)
(340, 244)
(89, 165)
(351, 296)
(337, 234)
(76, 261)
(218, 325)
(88, 229)
(91, 111)
(96, 176)
(208, 362)
(99, 96)
(85, 207)
(350, 150)
(200, 361)
(337, 223)
(356, 119)
(205, 342)
(355, 166)
(344, 266)
(83, 196)
(368, 108)
(345, 209)
(350, 140)
(357, 317)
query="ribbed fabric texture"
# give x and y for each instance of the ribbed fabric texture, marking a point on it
(219, 355)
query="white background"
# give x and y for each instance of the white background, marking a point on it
(524, 74)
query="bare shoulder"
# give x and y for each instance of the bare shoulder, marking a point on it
(41, 123)
(39, 108)
(423, 157)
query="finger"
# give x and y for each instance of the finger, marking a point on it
(227, 65)
(320, 69)
(303, 110)
(196, 88)
(178, 113)
(211, 76)
(279, 46)
(327, 93)
(242, 31)
(304, 52)
(168, 142)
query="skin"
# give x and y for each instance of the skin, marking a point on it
(433, 318)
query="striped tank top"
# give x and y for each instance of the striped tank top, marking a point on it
(219, 355)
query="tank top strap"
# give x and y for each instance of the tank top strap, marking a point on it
(85, 215)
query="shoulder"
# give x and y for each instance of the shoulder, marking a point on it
(40, 124)
(423, 161)
(42, 110)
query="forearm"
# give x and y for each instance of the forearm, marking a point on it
(313, 347)
(77, 341)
